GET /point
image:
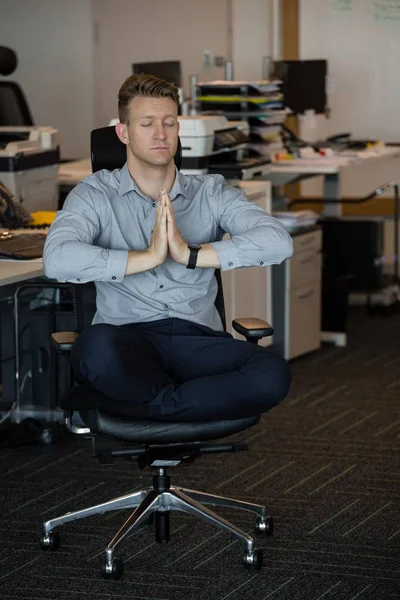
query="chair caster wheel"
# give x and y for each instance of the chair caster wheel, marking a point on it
(265, 526)
(114, 570)
(50, 541)
(253, 559)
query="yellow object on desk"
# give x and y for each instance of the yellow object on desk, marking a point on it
(43, 217)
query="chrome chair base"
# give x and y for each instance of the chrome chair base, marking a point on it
(161, 501)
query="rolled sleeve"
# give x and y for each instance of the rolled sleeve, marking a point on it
(228, 254)
(258, 238)
(71, 252)
(116, 266)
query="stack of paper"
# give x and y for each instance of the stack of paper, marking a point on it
(296, 219)
(260, 103)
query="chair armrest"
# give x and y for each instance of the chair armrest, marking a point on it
(252, 328)
(62, 341)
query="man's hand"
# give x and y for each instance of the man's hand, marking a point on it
(158, 248)
(178, 248)
(166, 236)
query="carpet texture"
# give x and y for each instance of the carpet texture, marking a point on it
(325, 463)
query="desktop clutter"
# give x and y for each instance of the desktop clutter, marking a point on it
(18, 238)
(338, 146)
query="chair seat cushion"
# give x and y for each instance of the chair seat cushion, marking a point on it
(140, 429)
(145, 431)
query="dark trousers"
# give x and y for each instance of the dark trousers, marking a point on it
(173, 369)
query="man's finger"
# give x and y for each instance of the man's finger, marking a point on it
(167, 198)
(170, 216)
(164, 219)
(161, 218)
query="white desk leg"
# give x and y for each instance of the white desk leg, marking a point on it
(332, 190)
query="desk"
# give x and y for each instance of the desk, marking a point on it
(70, 173)
(16, 271)
(371, 167)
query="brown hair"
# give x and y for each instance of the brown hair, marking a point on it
(145, 86)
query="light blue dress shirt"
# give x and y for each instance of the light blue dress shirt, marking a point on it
(106, 215)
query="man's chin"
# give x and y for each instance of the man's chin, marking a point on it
(154, 159)
(159, 161)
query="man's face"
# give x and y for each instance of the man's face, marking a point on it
(152, 133)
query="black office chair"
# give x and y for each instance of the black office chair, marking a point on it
(155, 443)
(14, 109)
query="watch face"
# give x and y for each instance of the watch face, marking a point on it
(194, 246)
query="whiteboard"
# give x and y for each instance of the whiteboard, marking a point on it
(361, 41)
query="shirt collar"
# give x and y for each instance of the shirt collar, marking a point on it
(128, 184)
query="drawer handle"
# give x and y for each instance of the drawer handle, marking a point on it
(304, 295)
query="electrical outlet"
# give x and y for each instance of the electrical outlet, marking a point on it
(219, 61)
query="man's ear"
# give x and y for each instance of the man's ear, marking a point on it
(122, 132)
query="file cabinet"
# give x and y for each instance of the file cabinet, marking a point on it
(296, 291)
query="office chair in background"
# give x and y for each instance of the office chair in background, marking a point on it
(155, 443)
(14, 109)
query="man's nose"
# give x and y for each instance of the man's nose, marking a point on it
(159, 132)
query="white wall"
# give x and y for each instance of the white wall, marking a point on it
(132, 31)
(361, 40)
(54, 43)
(252, 24)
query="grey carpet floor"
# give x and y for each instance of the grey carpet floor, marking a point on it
(326, 463)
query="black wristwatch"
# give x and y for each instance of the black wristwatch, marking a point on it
(194, 250)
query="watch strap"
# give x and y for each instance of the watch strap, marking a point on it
(193, 253)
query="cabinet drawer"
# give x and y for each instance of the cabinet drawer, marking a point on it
(304, 319)
(303, 268)
(307, 241)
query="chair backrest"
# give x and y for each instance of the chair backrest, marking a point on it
(14, 109)
(8, 61)
(108, 152)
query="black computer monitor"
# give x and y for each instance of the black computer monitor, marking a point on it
(169, 70)
(304, 84)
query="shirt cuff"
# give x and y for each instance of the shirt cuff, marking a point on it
(116, 265)
(228, 254)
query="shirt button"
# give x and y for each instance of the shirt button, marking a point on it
(154, 205)
(261, 263)
(166, 305)
(161, 287)
(78, 278)
(230, 264)
(113, 277)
